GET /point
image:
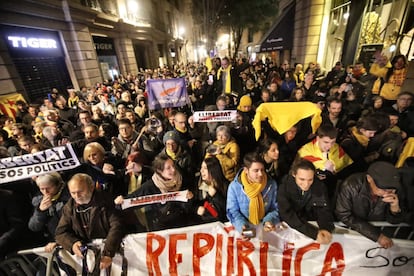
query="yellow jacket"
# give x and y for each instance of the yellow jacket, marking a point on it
(337, 155)
(229, 158)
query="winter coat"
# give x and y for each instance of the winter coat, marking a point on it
(355, 206)
(47, 220)
(215, 206)
(171, 214)
(229, 158)
(297, 207)
(104, 223)
(238, 203)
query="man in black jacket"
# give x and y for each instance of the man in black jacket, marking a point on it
(302, 197)
(88, 215)
(371, 196)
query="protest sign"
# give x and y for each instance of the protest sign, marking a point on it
(152, 199)
(24, 166)
(215, 116)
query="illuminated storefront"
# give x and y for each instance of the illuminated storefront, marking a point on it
(359, 28)
(39, 59)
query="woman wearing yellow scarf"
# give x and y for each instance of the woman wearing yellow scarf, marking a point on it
(251, 198)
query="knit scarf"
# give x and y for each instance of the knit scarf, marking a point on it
(165, 185)
(227, 89)
(171, 154)
(363, 140)
(253, 191)
(135, 182)
(182, 130)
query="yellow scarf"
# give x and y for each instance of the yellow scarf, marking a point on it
(56, 196)
(135, 182)
(182, 130)
(363, 140)
(171, 154)
(227, 89)
(254, 192)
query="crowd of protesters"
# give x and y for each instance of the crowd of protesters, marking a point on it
(296, 176)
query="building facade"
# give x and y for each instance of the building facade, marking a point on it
(49, 44)
(327, 31)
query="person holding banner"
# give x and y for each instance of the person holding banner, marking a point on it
(166, 179)
(251, 198)
(89, 215)
(104, 170)
(302, 197)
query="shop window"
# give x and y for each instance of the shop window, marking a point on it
(40, 75)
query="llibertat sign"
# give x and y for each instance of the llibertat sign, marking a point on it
(217, 249)
(25, 166)
(215, 116)
(156, 198)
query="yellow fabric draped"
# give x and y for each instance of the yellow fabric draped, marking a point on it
(284, 115)
(254, 192)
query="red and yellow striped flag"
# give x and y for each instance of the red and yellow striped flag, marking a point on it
(8, 104)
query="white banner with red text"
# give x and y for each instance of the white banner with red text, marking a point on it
(157, 198)
(216, 249)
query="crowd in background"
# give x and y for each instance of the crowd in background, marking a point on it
(129, 150)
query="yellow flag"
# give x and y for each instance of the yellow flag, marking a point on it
(209, 64)
(284, 115)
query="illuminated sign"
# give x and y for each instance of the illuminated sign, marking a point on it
(104, 46)
(32, 42)
(29, 42)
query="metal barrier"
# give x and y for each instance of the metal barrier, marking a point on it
(401, 231)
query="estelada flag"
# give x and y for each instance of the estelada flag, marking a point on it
(165, 93)
(8, 104)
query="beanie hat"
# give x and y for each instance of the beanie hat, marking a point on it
(244, 101)
(385, 175)
(171, 135)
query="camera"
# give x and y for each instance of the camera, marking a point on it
(153, 124)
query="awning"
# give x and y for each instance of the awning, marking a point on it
(280, 36)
